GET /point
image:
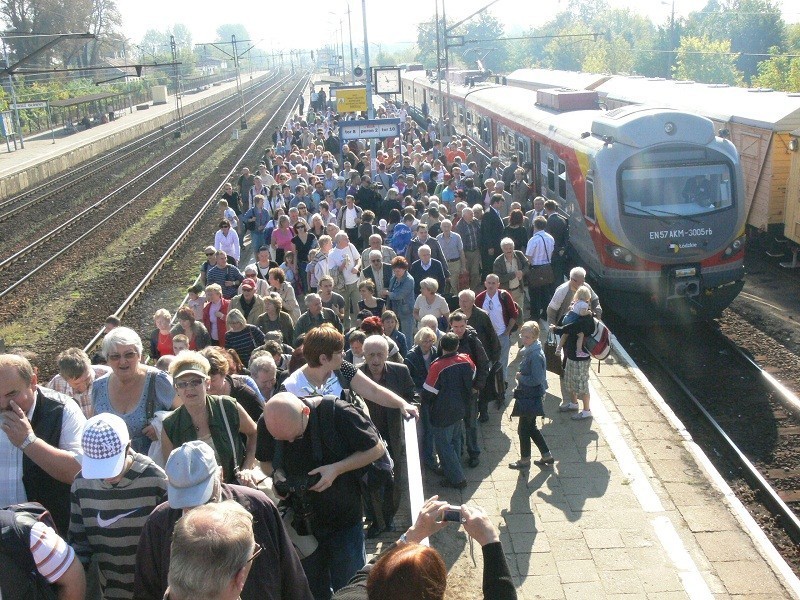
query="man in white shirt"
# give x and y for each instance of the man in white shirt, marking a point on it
(453, 250)
(347, 260)
(540, 252)
(41, 441)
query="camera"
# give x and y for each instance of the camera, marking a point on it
(451, 514)
(295, 492)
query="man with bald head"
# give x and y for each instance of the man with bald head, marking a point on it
(326, 442)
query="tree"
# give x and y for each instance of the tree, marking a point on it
(780, 72)
(707, 61)
(606, 56)
(751, 26)
(426, 43)
(493, 55)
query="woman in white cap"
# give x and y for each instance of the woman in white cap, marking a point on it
(215, 420)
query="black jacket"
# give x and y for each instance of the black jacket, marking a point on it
(491, 232)
(387, 274)
(497, 581)
(416, 365)
(482, 324)
(471, 345)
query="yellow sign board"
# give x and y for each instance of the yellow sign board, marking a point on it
(351, 99)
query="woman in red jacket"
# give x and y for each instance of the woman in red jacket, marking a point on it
(214, 313)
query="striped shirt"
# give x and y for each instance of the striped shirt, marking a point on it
(244, 341)
(50, 552)
(84, 399)
(468, 233)
(106, 521)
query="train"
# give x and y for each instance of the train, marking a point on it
(762, 123)
(653, 196)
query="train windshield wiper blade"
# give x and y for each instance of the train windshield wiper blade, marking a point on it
(672, 214)
(648, 213)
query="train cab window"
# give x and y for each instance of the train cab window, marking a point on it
(485, 131)
(677, 191)
(590, 200)
(551, 173)
(562, 180)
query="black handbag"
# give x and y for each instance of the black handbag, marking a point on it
(553, 359)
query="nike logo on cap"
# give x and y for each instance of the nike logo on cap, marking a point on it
(101, 522)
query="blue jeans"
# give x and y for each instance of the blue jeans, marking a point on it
(338, 557)
(256, 241)
(471, 425)
(427, 448)
(505, 347)
(448, 444)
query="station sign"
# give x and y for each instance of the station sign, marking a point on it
(24, 105)
(365, 130)
(352, 99)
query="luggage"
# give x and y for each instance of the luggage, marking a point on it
(554, 361)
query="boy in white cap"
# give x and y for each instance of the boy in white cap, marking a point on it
(111, 498)
(194, 480)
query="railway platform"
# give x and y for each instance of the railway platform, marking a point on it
(631, 509)
(41, 158)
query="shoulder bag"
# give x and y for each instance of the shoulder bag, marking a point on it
(540, 275)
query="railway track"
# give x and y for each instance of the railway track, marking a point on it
(251, 152)
(58, 185)
(46, 249)
(735, 410)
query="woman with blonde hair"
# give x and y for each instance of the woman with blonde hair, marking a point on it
(161, 336)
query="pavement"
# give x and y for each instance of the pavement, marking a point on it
(631, 509)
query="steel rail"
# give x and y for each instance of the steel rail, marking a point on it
(788, 519)
(148, 278)
(224, 122)
(107, 160)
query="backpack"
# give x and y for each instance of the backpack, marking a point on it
(401, 238)
(325, 433)
(19, 578)
(599, 342)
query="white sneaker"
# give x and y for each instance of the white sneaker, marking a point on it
(584, 414)
(568, 407)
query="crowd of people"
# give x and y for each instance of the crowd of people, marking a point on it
(341, 294)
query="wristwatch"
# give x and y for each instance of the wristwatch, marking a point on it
(29, 439)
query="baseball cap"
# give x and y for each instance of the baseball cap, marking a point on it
(191, 470)
(191, 367)
(249, 283)
(105, 441)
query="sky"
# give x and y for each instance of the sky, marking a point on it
(386, 24)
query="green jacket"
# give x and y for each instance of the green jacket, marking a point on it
(180, 429)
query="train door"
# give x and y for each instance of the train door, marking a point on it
(538, 171)
(523, 149)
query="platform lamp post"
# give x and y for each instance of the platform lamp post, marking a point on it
(239, 90)
(350, 32)
(368, 79)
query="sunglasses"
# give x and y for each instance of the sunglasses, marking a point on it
(192, 383)
(258, 550)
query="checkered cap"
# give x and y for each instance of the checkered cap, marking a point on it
(105, 439)
(101, 441)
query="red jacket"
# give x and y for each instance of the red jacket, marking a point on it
(220, 322)
(510, 310)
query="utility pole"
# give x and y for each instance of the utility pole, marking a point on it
(242, 119)
(439, 74)
(350, 31)
(368, 73)
(13, 102)
(178, 95)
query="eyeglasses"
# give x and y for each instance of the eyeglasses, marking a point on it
(210, 254)
(131, 355)
(258, 550)
(490, 304)
(192, 383)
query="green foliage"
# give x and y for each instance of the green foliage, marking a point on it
(779, 73)
(751, 26)
(609, 56)
(492, 54)
(707, 61)
(426, 43)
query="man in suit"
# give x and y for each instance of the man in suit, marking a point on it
(379, 272)
(558, 228)
(383, 497)
(427, 267)
(491, 232)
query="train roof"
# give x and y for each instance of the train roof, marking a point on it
(551, 78)
(768, 109)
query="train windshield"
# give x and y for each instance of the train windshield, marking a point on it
(680, 191)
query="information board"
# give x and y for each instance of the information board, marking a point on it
(365, 130)
(351, 99)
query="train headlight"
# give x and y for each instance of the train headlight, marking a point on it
(669, 128)
(621, 255)
(735, 247)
